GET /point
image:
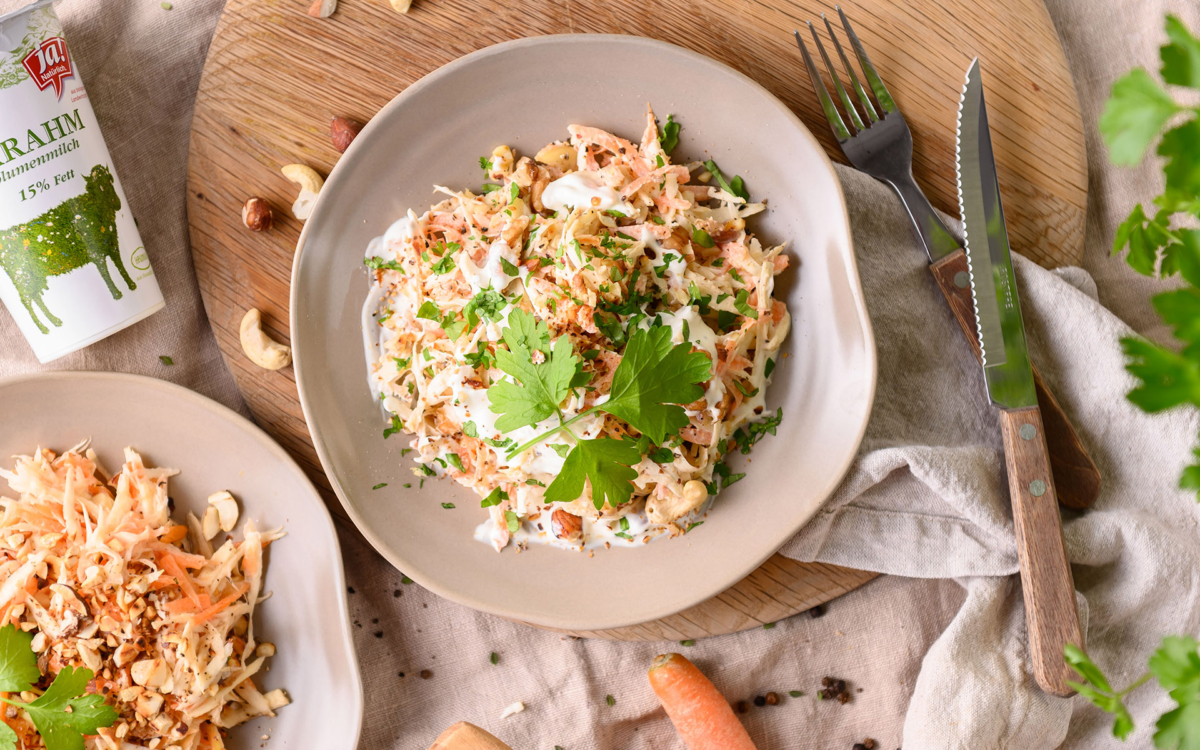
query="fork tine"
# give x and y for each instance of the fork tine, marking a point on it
(873, 80)
(835, 120)
(837, 81)
(858, 89)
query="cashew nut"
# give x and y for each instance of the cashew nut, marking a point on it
(667, 509)
(310, 184)
(401, 6)
(561, 155)
(259, 347)
(211, 523)
(501, 161)
(227, 510)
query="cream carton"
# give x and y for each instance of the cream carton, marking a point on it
(72, 266)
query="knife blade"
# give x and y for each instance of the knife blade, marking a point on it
(1047, 586)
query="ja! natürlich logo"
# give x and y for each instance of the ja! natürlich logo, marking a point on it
(48, 64)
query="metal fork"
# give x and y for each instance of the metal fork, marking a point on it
(881, 144)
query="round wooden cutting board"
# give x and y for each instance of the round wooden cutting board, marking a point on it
(275, 76)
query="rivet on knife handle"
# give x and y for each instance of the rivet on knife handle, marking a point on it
(1075, 473)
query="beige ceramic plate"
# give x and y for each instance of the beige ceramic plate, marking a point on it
(525, 93)
(216, 449)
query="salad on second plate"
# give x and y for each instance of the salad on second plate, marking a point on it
(581, 341)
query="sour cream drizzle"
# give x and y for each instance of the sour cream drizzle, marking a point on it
(583, 190)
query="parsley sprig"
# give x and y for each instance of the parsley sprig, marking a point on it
(653, 378)
(1133, 117)
(1136, 112)
(62, 714)
(1176, 667)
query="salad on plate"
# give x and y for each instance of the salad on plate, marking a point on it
(582, 340)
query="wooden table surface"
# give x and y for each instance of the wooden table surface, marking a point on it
(275, 76)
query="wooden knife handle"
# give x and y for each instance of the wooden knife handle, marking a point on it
(1075, 472)
(1050, 614)
(467, 736)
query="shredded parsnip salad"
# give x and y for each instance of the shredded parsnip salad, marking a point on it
(95, 568)
(582, 340)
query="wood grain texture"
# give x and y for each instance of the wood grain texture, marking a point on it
(1051, 617)
(467, 736)
(275, 77)
(1075, 473)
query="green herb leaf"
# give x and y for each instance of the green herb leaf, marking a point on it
(651, 379)
(495, 497)
(509, 268)
(736, 187)
(561, 449)
(397, 426)
(1134, 114)
(540, 388)
(485, 163)
(494, 658)
(454, 460)
(1176, 665)
(448, 506)
(166, 360)
(1097, 689)
(605, 462)
(429, 311)
(444, 265)
(380, 486)
(18, 663)
(610, 700)
(63, 729)
(1180, 58)
(669, 138)
(375, 263)
(470, 430)
(702, 238)
(688, 642)
(742, 303)
(512, 520)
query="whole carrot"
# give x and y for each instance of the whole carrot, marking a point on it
(700, 714)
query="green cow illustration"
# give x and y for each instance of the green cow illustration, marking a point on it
(76, 232)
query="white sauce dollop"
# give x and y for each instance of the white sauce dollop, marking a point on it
(491, 273)
(576, 190)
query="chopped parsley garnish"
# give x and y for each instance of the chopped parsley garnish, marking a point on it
(454, 460)
(429, 311)
(508, 267)
(380, 486)
(494, 658)
(736, 276)
(489, 187)
(448, 506)
(694, 524)
(488, 304)
(534, 483)
(485, 163)
(768, 625)
(512, 521)
(735, 187)
(482, 357)
(769, 368)
(495, 497)
(469, 429)
(444, 265)
(561, 449)
(795, 693)
(669, 137)
(514, 190)
(166, 360)
(688, 642)
(610, 700)
(658, 220)
(702, 238)
(375, 263)
(395, 427)
(405, 579)
(742, 303)
(662, 455)
(748, 394)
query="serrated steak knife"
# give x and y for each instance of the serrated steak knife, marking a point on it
(1049, 590)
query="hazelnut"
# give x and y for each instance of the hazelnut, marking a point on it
(343, 131)
(257, 215)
